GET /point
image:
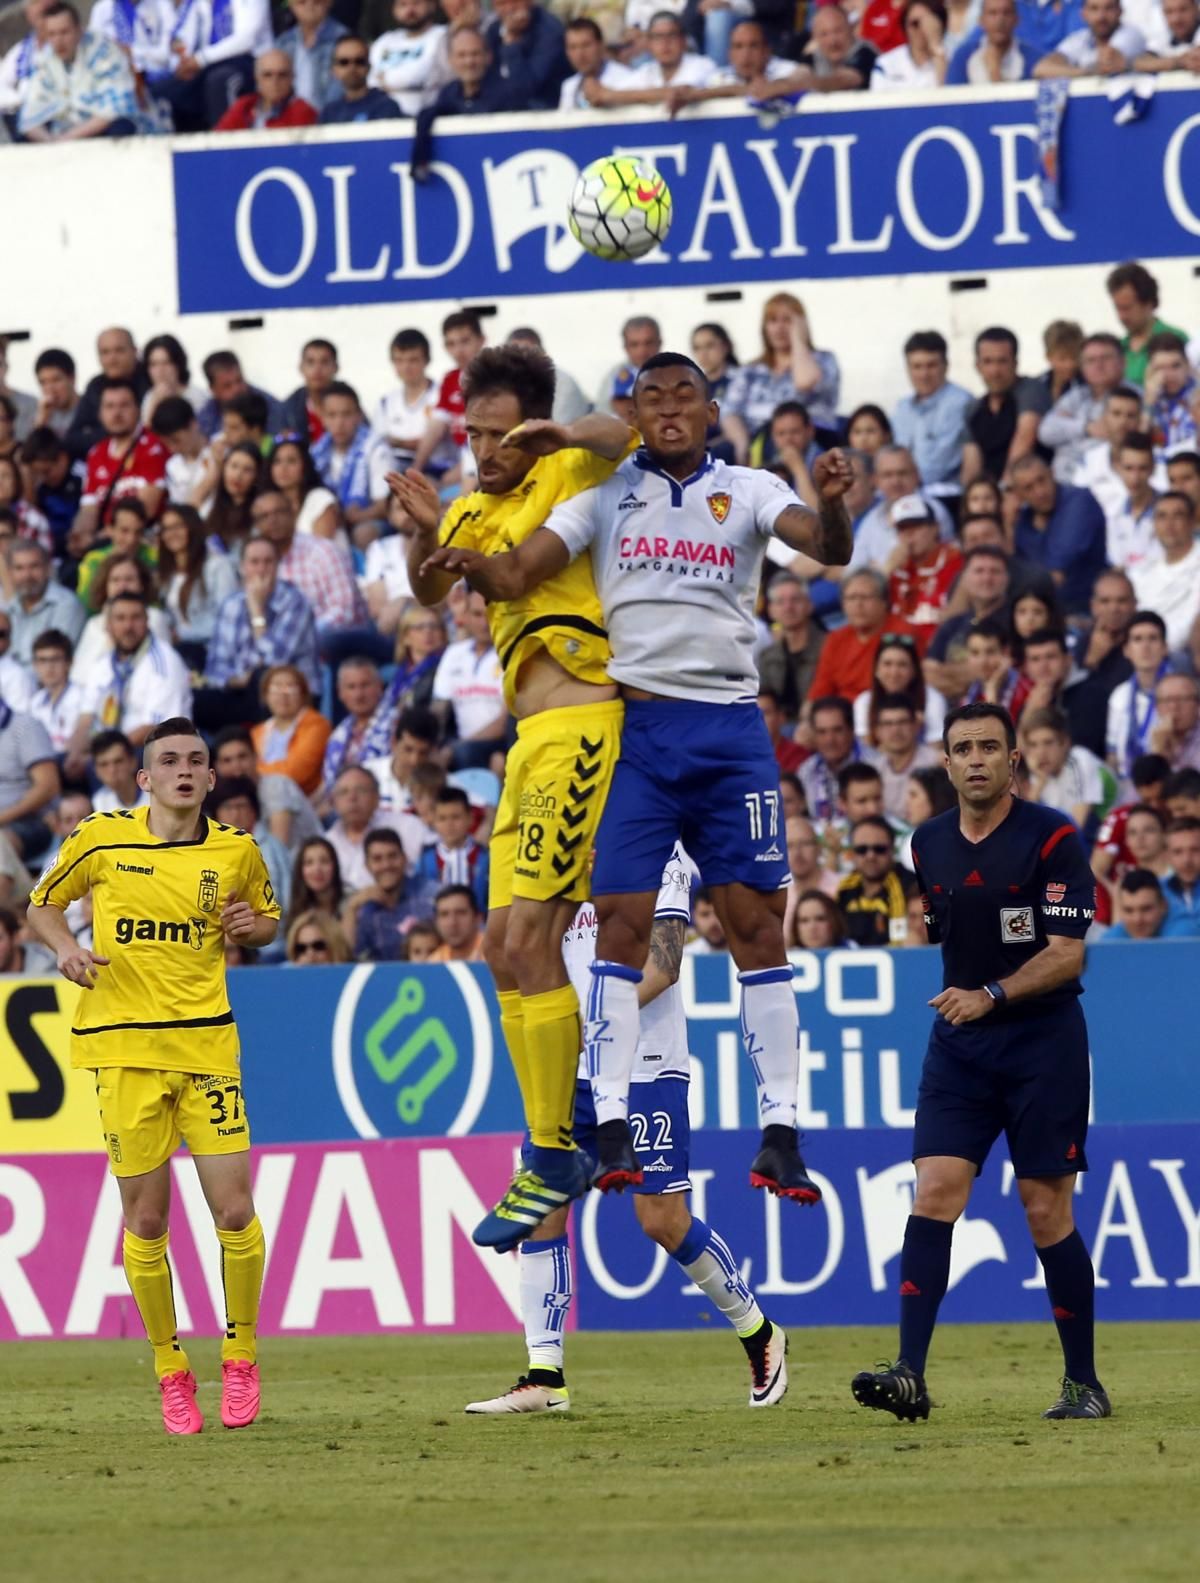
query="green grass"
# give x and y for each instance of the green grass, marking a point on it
(364, 1466)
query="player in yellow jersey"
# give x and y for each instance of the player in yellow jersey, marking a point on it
(554, 651)
(169, 886)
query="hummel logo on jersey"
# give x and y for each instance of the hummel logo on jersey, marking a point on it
(134, 868)
(632, 503)
(719, 505)
(974, 878)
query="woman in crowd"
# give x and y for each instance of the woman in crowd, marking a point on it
(927, 794)
(120, 574)
(291, 740)
(982, 498)
(420, 643)
(789, 369)
(1145, 840)
(229, 514)
(921, 61)
(713, 350)
(897, 670)
(167, 368)
(295, 476)
(316, 880)
(31, 524)
(193, 580)
(315, 939)
(868, 429)
(1033, 613)
(818, 923)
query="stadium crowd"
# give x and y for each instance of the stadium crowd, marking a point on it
(180, 542)
(147, 66)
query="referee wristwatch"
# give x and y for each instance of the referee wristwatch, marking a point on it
(996, 991)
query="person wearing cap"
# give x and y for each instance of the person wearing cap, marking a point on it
(919, 586)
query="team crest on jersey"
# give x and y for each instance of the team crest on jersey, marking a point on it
(719, 505)
(206, 898)
(1055, 893)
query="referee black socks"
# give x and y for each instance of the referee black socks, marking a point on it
(924, 1276)
(1071, 1284)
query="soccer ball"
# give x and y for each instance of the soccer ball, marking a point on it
(620, 208)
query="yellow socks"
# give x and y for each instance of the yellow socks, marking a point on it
(243, 1257)
(149, 1277)
(512, 1024)
(552, 1054)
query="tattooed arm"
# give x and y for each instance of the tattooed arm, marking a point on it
(662, 965)
(827, 536)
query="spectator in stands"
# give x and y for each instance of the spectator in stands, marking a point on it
(1103, 47)
(1176, 730)
(1170, 584)
(81, 86)
(234, 801)
(1181, 794)
(274, 103)
(1180, 49)
(848, 655)
(995, 54)
(881, 24)
(293, 472)
(37, 603)
(317, 879)
(873, 899)
(476, 87)
(365, 732)
(379, 917)
(120, 574)
(896, 478)
(1002, 424)
(526, 41)
(223, 371)
(58, 701)
(834, 60)
(142, 682)
(1181, 890)
(353, 462)
(127, 536)
(1170, 394)
(806, 869)
(789, 369)
(787, 666)
(20, 63)
(789, 441)
(287, 811)
(58, 405)
(458, 921)
(1062, 775)
(1133, 836)
(16, 683)
(920, 584)
(469, 681)
(1183, 475)
(190, 462)
(193, 580)
(302, 411)
(1063, 343)
(819, 924)
(789, 755)
(931, 423)
(315, 939)
(291, 740)
(1134, 293)
(410, 63)
(117, 354)
(570, 402)
(455, 857)
(356, 804)
(403, 414)
(1099, 656)
(641, 339)
(868, 430)
(588, 57)
(920, 60)
(29, 782)
(1132, 709)
(358, 100)
(420, 645)
(244, 422)
(220, 44)
(1060, 527)
(320, 570)
(231, 515)
(1046, 661)
(1097, 466)
(416, 736)
(114, 765)
(1144, 914)
(746, 69)
(665, 77)
(128, 461)
(1077, 416)
(311, 44)
(834, 749)
(169, 373)
(927, 794)
(462, 337)
(898, 750)
(993, 678)
(898, 670)
(29, 522)
(267, 622)
(1129, 523)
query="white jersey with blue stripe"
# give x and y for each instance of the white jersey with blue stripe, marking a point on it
(677, 567)
(662, 1047)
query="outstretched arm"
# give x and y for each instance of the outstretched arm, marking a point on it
(827, 537)
(597, 432)
(500, 577)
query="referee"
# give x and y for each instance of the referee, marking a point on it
(1009, 896)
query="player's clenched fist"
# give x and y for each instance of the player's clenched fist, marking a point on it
(832, 474)
(963, 1005)
(237, 919)
(81, 966)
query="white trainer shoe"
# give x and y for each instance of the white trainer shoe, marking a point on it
(525, 1397)
(768, 1365)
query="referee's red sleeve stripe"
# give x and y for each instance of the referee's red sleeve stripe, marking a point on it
(1065, 829)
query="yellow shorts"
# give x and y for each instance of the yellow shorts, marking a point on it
(146, 1114)
(555, 783)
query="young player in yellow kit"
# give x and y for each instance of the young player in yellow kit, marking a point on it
(554, 651)
(153, 1022)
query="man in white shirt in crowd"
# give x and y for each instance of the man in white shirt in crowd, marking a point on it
(17, 67)
(1170, 586)
(1103, 47)
(39, 604)
(1096, 468)
(1077, 417)
(998, 55)
(1061, 776)
(590, 62)
(16, 681)
(899, 751)
(356, 803)
(58, 701)
(470, 680)
(190, 466)
(671, 66)
(875, 538)
(1180, 50)
(752, 72)
(214, 48)
(1132, 704)
(415, 739)
(1130, 537)
(115, 766)
(411, 61)
(140, 683)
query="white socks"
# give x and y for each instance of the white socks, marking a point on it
(610, 1037)
(545, 1300)
(771, 1038)
(709, 1263)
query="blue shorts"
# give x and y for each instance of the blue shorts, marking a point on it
(704, 774)
(658, 1119)
(1028, 1078)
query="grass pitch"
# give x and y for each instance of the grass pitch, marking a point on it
(364, 1466)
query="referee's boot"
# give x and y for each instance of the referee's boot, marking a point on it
(617, 1165)
(894, 1388)
(779, 1168)
(1080, 1401)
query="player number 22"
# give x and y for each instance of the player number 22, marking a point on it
(640, 1128)
(216, 1099)
(755, 802)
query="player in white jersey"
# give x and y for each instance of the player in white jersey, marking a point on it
(677, 542)
(658, 1115)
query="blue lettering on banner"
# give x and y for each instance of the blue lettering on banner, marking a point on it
(1138, 1210)
(394, 1051)
(866, 191)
